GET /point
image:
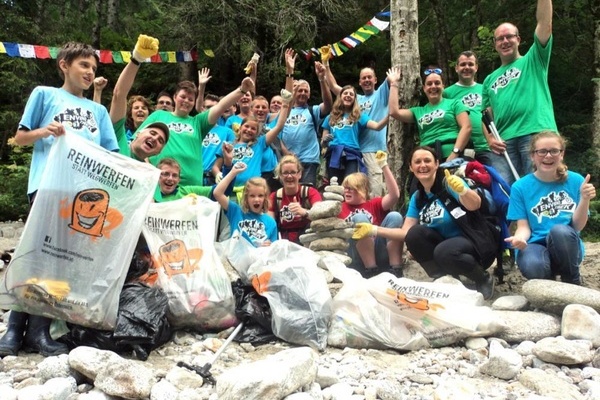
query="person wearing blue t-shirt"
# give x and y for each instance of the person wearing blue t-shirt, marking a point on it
(341, 133)
(550, 207)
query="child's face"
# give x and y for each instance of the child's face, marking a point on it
(139, 112)
(255, 196)
(80, 73)
(169, 179)
(348, 96)
(248, 131)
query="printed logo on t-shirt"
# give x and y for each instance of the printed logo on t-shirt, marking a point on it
(472, 100)
(360, 211)
(505, 79)
(78, 119)
(285, 214)
(181, 128)
(211, 139)
(366, 106)
(239, 152)
(343, 122)
(551, 205)
(255, 230)
(429, 214)
(430, 118)
(296, 120)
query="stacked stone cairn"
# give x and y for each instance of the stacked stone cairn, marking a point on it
(328, 235)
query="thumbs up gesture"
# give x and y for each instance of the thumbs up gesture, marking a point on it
(455, 183)
(587, 190)
(296, 208)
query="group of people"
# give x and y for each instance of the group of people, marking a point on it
(262, 164)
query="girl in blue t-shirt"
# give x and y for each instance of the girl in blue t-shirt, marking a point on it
(250, 217)
(341, 131)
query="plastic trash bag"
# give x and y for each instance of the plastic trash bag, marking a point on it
(180, 235)
(142, 323)
(240, 253)
(254, 311)
(406, 314)
(80, 234)
(297, 292)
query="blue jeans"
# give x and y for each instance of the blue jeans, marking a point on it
(518, 152)
(561, 255)
(392, 220)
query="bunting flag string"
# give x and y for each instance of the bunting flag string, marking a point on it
(380, 22)
(105, 56)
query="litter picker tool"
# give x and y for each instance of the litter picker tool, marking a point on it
(491, 126)
(204, 371)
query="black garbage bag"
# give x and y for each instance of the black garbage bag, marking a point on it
(142, 323)
(254, 311)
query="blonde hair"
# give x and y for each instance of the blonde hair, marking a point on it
(288, 159)
(249, 118)
(338, 111)
(257, 182)
(359, 182)
(561, 170)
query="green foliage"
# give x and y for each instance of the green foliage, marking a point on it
(591, 232)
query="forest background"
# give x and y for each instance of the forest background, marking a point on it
(234, 30)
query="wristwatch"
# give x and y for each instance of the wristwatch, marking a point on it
(456, 150)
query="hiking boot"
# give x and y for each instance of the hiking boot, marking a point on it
(371, 272)
(486, 287)
(38, 340)
(13, 338)
(398, 272)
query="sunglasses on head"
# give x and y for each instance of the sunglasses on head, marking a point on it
(430, 71)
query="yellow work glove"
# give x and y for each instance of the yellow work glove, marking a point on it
(363, 230)
(59, 289)
(253, 61)
(146, 47)
(325, 54)
(381, 158)
(286, 95)
(455, 183)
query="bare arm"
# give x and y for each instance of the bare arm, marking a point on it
(325, 92)
(395, 233)
(118, 105)
(543, 15)
(521, 236)
(99, 84)
(464, 134)
(219, 191)
(377, 126)
(217, 110)
(25, 137)
(203, 78)
(401, 115)
(393, 191)
(580, 216)
(331, 81)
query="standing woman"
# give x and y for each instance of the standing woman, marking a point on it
(341, 131)
(440, 119)
(289, 204)
(551, 207)
(432, 236)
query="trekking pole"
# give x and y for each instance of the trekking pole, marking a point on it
(491, 126)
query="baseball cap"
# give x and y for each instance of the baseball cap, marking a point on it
(163, 127)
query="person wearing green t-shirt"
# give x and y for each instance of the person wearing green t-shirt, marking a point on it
(518, 94)
(468, 92)
(440, 120)
(187, 132)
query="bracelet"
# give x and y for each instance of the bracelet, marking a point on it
(289, 75)
(133, 60)
(243, 91)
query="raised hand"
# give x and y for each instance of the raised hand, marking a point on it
(290, 59)
(146, 47)
(100, 83)
(456, 183)
(381, 158)
(203, 76)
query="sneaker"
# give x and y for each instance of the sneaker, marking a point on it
(371, 272)
(398, 272)
(486, 288)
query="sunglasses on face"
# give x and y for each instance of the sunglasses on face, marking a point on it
(430, 71)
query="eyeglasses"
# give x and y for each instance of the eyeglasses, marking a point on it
(544, 152)
(289, 173)
(430, 71)
(165, 103)
(166, 174)
(507, 37)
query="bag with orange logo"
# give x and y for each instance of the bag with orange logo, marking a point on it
(181, 235)
(80, 235)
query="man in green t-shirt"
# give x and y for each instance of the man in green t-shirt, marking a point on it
(518, 95)
(468, 92)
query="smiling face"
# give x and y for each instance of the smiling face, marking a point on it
(424, 165)
(547, 164)
(184, 102)
(302, 93)
(466, 68)
(79, 74)
(348, 97)
(245, 103)
(260, 109)
(139, 112)
(367, 80)
(169, 178)
(433, 88)
(276, 103)
(290, 176)
(506, 42)
(149, 142)
(248, 131)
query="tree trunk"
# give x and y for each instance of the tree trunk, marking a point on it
(404, 34)
(98, 25)
(596, 81)
(443, 46)
(112, 9)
